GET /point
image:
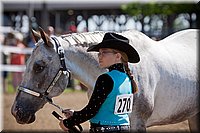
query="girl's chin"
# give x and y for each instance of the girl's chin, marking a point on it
(101, 65)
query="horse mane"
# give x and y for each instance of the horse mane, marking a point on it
(137, 39)
(85, 39)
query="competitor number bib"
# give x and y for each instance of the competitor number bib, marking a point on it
(123, 104)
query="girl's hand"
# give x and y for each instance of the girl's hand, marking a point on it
(63, 126)
(68, 113)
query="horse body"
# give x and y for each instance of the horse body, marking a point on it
(166, 75)
(176, 91)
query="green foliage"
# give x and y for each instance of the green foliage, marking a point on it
(146, 9)
(10, 89)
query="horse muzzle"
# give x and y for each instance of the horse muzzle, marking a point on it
(23, 116)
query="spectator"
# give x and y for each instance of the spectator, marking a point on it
(3, 73)
(17, 59)
(72, 27)
(50, 31)
(30, 41)
(8, 41)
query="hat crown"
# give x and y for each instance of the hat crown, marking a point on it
(116, 37)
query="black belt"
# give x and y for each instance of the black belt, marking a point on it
(104, 129)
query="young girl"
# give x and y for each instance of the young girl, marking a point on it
(112, 98)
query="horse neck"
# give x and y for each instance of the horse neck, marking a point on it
(83, 65)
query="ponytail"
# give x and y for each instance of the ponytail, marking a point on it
(133, 83)
(128, 72)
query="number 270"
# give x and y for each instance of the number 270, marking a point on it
(124, 105)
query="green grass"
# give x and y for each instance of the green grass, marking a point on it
(71, 90)
(11, 90)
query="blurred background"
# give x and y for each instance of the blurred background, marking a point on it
(156, 19)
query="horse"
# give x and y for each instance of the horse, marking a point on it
(166, 75)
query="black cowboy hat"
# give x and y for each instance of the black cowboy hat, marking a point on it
(118, 42)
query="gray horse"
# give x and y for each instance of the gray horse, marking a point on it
(166, 76)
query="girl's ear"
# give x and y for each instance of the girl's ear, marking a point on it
(118, 57)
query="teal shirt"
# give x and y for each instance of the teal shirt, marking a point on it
(106, 116)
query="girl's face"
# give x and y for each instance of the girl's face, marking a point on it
(108, 57)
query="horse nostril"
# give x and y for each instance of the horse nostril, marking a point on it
(19, 113)
(23, 113)
(23, 116)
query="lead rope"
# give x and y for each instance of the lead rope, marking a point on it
(75, 129)
(50, 101)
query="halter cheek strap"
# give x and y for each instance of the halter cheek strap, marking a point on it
(63, 70)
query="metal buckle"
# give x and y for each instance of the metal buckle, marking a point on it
(60, 50)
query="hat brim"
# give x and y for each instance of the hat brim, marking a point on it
(133, 56)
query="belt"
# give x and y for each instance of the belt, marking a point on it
(104, 129)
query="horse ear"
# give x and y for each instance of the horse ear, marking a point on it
(45, 37)
(35, 35)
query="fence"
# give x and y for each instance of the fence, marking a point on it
(12, 49)
(12, 68)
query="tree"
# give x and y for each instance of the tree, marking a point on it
(168, 12)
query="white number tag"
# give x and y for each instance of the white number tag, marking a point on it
(123, 104)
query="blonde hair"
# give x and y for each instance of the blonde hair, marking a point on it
(124, 60)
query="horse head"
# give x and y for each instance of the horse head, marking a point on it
(45, 77)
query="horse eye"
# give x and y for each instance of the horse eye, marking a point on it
(38, 67)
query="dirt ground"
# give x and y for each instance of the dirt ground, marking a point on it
(74, 100)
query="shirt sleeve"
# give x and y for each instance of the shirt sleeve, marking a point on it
(103, 87)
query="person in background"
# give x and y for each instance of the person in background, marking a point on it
(72, 27)
(112, 98)
(30, 41)
(8, 41)
(50, 31)
(4, 61)
(17, 59)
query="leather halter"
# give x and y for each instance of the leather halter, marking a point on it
(62, 70)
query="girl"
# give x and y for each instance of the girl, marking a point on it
(112, 98)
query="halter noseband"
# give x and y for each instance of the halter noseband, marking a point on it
(62, 70)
